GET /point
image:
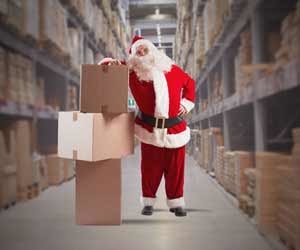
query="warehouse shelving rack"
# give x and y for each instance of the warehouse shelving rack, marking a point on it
(56, 73)
(250, 120)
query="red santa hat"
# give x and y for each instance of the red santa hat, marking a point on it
(138, 40)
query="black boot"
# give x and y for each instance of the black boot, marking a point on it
(147, 210)
(179, 211)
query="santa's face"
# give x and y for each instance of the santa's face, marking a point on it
(142, 50)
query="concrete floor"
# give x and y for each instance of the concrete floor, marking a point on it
(213, 223)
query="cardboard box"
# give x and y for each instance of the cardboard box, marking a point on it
(8, 189)
(95, 137)
(104, 89)
(69, 169)
(23, 154)
(55, 168)
(98, 192)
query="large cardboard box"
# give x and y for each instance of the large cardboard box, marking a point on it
(95, 137)
(98, 192)
(104, 89)
(69, 169)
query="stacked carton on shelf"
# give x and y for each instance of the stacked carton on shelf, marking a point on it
(98, 160)
(266, 196)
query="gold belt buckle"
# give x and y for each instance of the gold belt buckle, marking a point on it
(163, 121)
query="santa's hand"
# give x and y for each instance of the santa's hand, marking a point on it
(182, 110)
(114, 62)
(109, 61)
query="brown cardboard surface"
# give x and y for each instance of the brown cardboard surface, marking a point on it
(95, 136)
(98, 192)
(55, 168)
(104, 88)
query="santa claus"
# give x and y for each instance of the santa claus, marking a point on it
(164, 94)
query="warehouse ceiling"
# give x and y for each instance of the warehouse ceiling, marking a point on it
(155, 20)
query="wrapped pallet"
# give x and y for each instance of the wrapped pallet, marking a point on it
(230, 172)
(266, 196)
(250, 174)
(243, 161)
(13, 77)
(219, 165)
(31, 23)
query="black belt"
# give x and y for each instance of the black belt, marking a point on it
(159, 122)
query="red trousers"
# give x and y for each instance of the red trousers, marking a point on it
(157, 162)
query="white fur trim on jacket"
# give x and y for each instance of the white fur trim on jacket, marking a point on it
(146, 201)
(178, 202)
(106, 59)
(189, 105)
(160, 138)
(161, 94)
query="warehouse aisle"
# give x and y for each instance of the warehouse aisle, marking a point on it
(212, 224)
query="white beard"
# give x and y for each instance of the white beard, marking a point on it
(144, 65)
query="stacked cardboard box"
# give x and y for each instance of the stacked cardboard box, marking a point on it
(24, 158)
(98, 161)
(31, 23)
(219, 165)
(53, 25)
(21, 84)
(290, 33)
(204, 148)
(243, 161)
(243, 59)
(8, 177)
(230, 172)
(266, 194)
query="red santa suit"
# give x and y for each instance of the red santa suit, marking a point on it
(162, 149)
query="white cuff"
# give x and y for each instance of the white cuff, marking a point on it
(146, 201)
(187, 104)
(106, 59)
(178, 202)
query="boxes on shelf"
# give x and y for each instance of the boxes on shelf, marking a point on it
(31, 17)
(15, 14)
(249, 205)
(266, 193)
(8, 178)
(230, 172)
(243, 161)
(290, 33)
(53, 27)
(115, 133)
(217, 88)
(55, 169)
(76, 47)
(219, 165)
(100, 184)
(3, 73)
(23, 158)
(243, 78)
